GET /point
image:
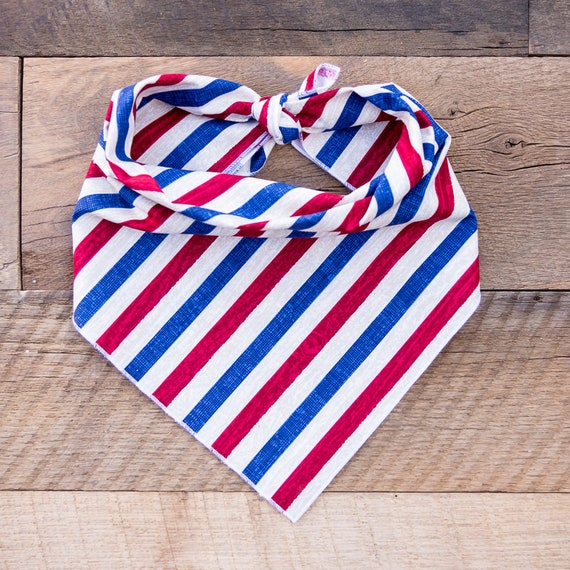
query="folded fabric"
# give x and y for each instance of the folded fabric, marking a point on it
(278, 324)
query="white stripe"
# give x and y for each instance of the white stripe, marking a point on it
(250, 329)
(208, 317)
(327, 358)
(133, 286)
(169, 304)
(105, 259)
(296, 333)
(381, 412)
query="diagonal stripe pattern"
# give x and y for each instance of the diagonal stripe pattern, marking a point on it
(278, 324)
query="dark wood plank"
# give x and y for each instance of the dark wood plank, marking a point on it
(237, 531)
(10, 168)
(244, 27)
(491, 414)
(549, 27)
(511, 152)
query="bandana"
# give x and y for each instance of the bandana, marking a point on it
(278, 324)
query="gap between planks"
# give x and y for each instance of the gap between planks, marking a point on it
(10, 168)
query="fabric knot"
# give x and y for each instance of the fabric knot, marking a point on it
(273, 117)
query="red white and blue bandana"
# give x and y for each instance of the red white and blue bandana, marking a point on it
(278, 324)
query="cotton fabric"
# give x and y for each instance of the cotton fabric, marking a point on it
(278, 324)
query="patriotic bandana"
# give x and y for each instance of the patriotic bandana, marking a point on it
(278, 324)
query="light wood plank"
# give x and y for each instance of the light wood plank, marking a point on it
(549, 27)
(10, 168)
(244, 27)
(491, 414)
(511, 151)
(226, 531)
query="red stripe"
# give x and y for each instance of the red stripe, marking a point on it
(313, 108)
(92, 243)
(376, 155)
(310, 81)
(319, 203)
(237, 150)
(264, 111)
(166, 79)
(109, 111)
(377, 389)
(232, 319)
(156, 216)
(137, 182)
(209, 190)
(237, 108)
(352, 221)
(252, 229)
(95, 171)
(423, 119)
(154, 292)
(147, 136)
(410, 158)
(333, 321)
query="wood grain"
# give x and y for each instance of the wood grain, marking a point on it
(510, 150)
(245, 27)
(491, 414)
(216, 530)
(549, 27)
(10, 168)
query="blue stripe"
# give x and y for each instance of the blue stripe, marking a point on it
(277, 327)
(194, 143)
(254, 207)
(412, 201)
(307, 221)
(352, 109)
(257, 161)
(289, 134)
(125, 198)
(169, 176)
(382, 191)
(199, 228)
(195, 97)
(195, 304)
(116, 276)
(359, 351)
(301, 234)
(334, 146)
(263, 199)
(123, 112)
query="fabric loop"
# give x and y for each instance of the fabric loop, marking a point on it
(271, 115)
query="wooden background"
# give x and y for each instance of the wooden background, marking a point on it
(472, 469)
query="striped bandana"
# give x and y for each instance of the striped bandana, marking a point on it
(278, 324)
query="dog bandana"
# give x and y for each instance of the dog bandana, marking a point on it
(278, 324)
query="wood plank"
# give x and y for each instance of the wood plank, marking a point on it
(491, 414)
(342, 530)
(549, 27)
(244, 27)
(10, 168)
(511, 151)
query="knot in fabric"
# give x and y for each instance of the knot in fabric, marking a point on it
(273, 116)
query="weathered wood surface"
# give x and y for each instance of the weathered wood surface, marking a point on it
(217, 530)
(10, 168)
(510, 150)
(491, 414)
(244, 27)
(549, 27)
